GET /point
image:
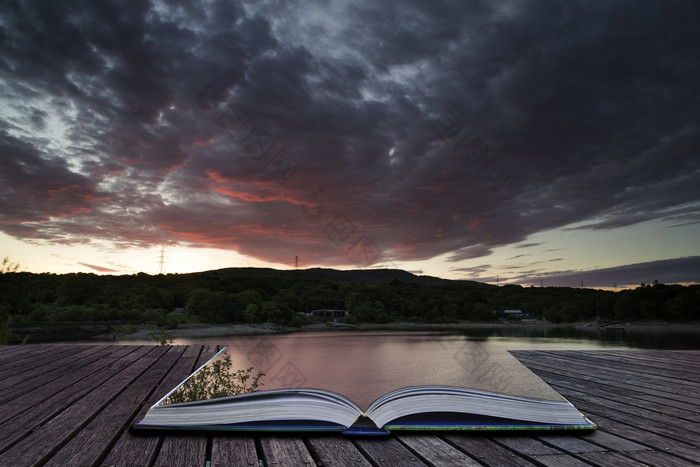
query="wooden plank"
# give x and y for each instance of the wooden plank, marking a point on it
(629, 428)
(335, 450)
(27, 371)
(33, 416)
(92, 442)
(233, 451)
(560, 460)
(660, 459)
(618, 398)
(486, 450)
(387, 451)
(646, 433)
(8, 351)
(610, 458)
(23, 354)
(611, 391)
(435, 451)
(628, 367)
(612, 442)
(70, 361)
(92, 365)
(570, 444)
(186, 450)
(526, 445)
(134, 448)
(673, 431)
(41, 442)
(615, 377)
(285, 450)
(627, 371)
(649, 362)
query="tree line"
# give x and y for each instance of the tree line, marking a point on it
(256, 295)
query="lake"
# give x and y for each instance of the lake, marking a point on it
(364, 365)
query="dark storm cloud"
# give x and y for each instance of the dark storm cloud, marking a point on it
(345, 133)
(670, 271)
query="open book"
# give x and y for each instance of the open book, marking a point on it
(427, 407)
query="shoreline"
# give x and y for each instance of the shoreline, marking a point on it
(224, 330)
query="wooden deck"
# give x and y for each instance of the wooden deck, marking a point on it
(72, 405)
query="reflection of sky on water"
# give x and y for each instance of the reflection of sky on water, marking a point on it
(363, 366)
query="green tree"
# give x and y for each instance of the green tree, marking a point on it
(6, 336)
(251, 313)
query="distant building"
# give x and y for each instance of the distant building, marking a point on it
(333, 315)
(512, 312)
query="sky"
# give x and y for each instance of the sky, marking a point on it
(549, 143)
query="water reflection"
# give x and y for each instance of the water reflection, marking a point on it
(364, 366)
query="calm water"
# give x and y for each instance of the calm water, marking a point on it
(365, 365)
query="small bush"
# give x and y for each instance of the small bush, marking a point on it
(217, 380)
(161, 336)
(126, 329)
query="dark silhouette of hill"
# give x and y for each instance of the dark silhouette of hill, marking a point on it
(380, 277)
(354, 276)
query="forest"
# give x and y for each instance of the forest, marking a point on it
(257, 295)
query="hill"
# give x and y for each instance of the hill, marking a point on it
(381, 277)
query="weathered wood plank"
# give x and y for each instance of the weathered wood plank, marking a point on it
(664, 402)
(560, 460)
(36, 376)
(388, 451)
(33, 416)
(486, 450)
(605, 459)
(93, 441)
(653, 378)
(526, 445)
(646, 361)
(27, 371)
(570, 444)
(636, 417)
(186, 450)
(662, 387)
(44, 440)
(629, 428)
(285, 450)
(21, 354)
(628, 366)
(660, 459)
(135, 448)
(663, 413)
(435, 451)
(335, 450)
(612, 442)
(233, 451)
(49, 388)
(10, 351)
(618, 398)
